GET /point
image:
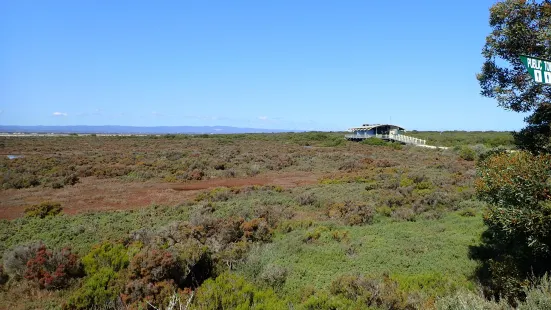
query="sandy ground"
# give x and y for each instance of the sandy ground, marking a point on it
(101, 194)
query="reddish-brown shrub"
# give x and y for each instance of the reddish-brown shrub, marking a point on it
(153, 265)
(256, 230)
(52, 270)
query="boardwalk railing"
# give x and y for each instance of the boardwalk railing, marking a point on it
(391, 136)
(407, 139)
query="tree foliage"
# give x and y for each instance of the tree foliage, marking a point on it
(518, 240)
(519, 27)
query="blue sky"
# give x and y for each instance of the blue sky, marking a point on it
(285, 64)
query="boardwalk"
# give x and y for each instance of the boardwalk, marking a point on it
(388, 137)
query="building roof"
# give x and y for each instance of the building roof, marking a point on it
(371, 126)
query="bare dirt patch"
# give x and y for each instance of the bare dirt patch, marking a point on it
(92, 194)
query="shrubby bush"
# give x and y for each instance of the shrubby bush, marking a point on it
(537, 296)
(465, 300)
(352, 213)
(52, 270)
(152, 274)
(472, 204)
(98, 289)
(467, 153)
(307, 198)
(339, 236)
(230, 291)
(106, 255)
(325, 301)
(381, 293)
(274, 276)
(314, 233)
(256, 230)
(15, 260)
(518, 239)
(403, 214)
(374, 141)
(3, 275)
(44, 209)
(468, 212)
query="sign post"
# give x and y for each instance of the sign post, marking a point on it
(539, 69)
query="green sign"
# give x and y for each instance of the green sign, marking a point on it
(539, 69)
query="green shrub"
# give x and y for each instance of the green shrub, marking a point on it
(340, 236)
(465, 300)
(352, 213)
(467, 212)
(256, 230)
(103, 284)
(314, 234)
(538, 295)
(106, 255)
(518, 239)
(100, 288)
(374, 141)
(467, 153)
(230, 291)
(274, 276)
(44, 209)
(372, 292)
(371, 186)
(233, 254)
(404, 214)
(325, 301)
(405, 182)
(307, 198)
(19, 180)
(472, 204)
(290, 225)
(384, 210)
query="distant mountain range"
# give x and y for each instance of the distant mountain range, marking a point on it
(138, 130)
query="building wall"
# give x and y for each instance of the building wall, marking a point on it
(366, 132)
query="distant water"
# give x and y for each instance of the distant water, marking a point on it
(14, 156)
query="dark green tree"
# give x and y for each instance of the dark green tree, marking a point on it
(517, 186)
(519, 27)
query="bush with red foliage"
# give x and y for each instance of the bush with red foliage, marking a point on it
(153, 265)
(53, 270)
(152, 274)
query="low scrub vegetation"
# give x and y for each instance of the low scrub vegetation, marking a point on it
(381, 225)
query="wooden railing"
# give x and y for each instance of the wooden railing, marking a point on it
(407, 139)
(396, 137)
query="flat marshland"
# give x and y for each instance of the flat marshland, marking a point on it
(298, 220)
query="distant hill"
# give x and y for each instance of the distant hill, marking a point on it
(137, 130)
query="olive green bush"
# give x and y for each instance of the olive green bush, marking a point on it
(352, 213)
(230, 291)
(372, 292)
(44, 209)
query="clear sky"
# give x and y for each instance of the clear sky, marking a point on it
(282, 64)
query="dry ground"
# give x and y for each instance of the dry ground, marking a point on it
(92, 194)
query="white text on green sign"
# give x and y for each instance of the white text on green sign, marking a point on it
(539, 69)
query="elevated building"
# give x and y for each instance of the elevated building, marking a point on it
(386, 132)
